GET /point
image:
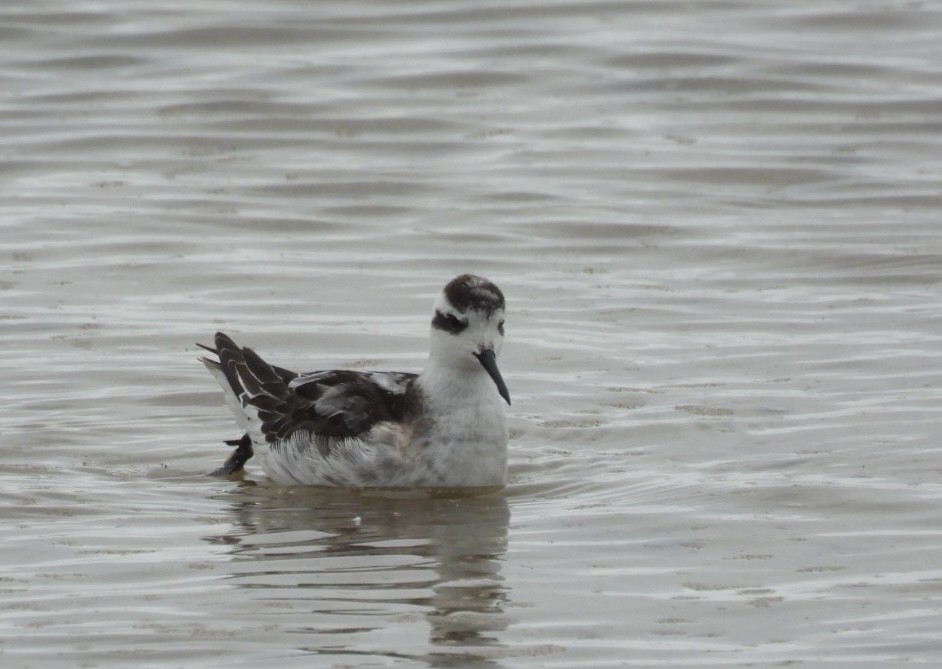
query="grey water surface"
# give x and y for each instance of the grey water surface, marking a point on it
(718, 226)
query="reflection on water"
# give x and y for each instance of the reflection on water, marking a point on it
(356, 564)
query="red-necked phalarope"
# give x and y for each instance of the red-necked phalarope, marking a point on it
(443, 427)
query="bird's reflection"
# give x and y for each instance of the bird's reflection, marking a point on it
(366, 567)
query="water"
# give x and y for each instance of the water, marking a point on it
(717, 228)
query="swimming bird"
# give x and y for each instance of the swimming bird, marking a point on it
(442, 427)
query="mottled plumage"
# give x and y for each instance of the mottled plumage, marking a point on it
(443, 427)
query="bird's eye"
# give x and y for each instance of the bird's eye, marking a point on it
(449, 323)
(500, 328)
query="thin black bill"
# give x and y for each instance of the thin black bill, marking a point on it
(489, 362)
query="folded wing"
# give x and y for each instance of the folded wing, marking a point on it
(330, 406)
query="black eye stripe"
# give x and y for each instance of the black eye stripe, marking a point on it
(448, 322)
(500, 327)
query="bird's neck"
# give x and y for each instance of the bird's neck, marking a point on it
(456, 386)
(464, 430)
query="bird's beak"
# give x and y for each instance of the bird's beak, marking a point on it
(489, 362)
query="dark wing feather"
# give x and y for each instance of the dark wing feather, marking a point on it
(348, 403)
(286, 374)
(330, 405)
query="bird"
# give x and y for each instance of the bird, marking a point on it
(443, 427)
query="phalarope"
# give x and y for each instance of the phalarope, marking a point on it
(443, 427)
